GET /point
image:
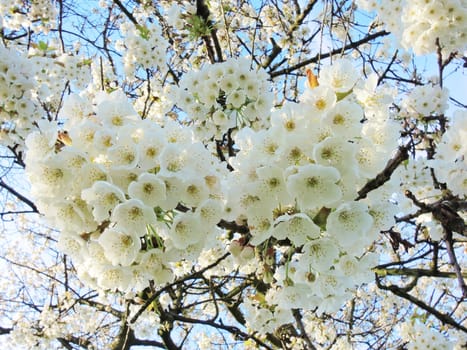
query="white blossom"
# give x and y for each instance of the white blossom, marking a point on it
(120, 247)
(314, 185)
(133, 216)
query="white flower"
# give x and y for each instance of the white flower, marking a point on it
(114, 278)
(228, 83)
(314, 185)
(340, 76)
(223, 120)
(298, 228)
(152, 260)
(319, 100)
(134, 216)
(173, 159)
(41, 143)
(120, 248)
(186, 230)
(82, 135)
(210, 211)
(173, 188)
(104, 139)
(72, 158)
(383, 214)
(272, 184)
(89, 174)
(95, 258)
(260, 228)
(150, 146)
(291, 120)
(336, 152)
(320, 254)
(330, 283)
(457, 179)
(249, 201)
(175, 133)
(72, 215)
(345, 119)
(122, 178)
(236, 98)
(75, 108)
(124, 155)
(49, 179)
(357, 270)
(376, 98)
(71, 244)
(149, 188)
(294, 297)
(370, 159)
(115, 110)
(195, 191)
(103, 197)
(349, 223)
(453, 146)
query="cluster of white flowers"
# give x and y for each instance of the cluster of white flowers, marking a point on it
(296, 183)
(16, 105)
(177, 15)
(142, 46)
(226, 95)
(419, 23)
(31, 84)
(21, 14)
(130, 196)
(111, 184)
(449, 163)
(424, 101)
(422, 337)
(414, 175)
(57, 72)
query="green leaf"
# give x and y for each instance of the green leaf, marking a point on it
(321, 218)
(342, 95)
(42, 45)
(144, 32)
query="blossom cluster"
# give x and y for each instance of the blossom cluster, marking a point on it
(295, 185)
(20, 14)
(128, 195)
(31, 88)
(418, 24)
(56, 73)
(16, 83)
(142, 46)
(132, 197)
(449, 161)
(424, 101)
(225, 95)
(420, 336)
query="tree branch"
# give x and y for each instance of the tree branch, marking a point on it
(380, 179)
(298, 318)
(126, 12)
(187, 277)
(444, 318)
(381, 271)
(455, 264)
(319, 57)
(5, 330)
(231, 329)
(18, 195)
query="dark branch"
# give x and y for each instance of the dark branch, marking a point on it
(126, 12)
(322, 56)
(444, 318)
(18, 195)
(401, 155)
